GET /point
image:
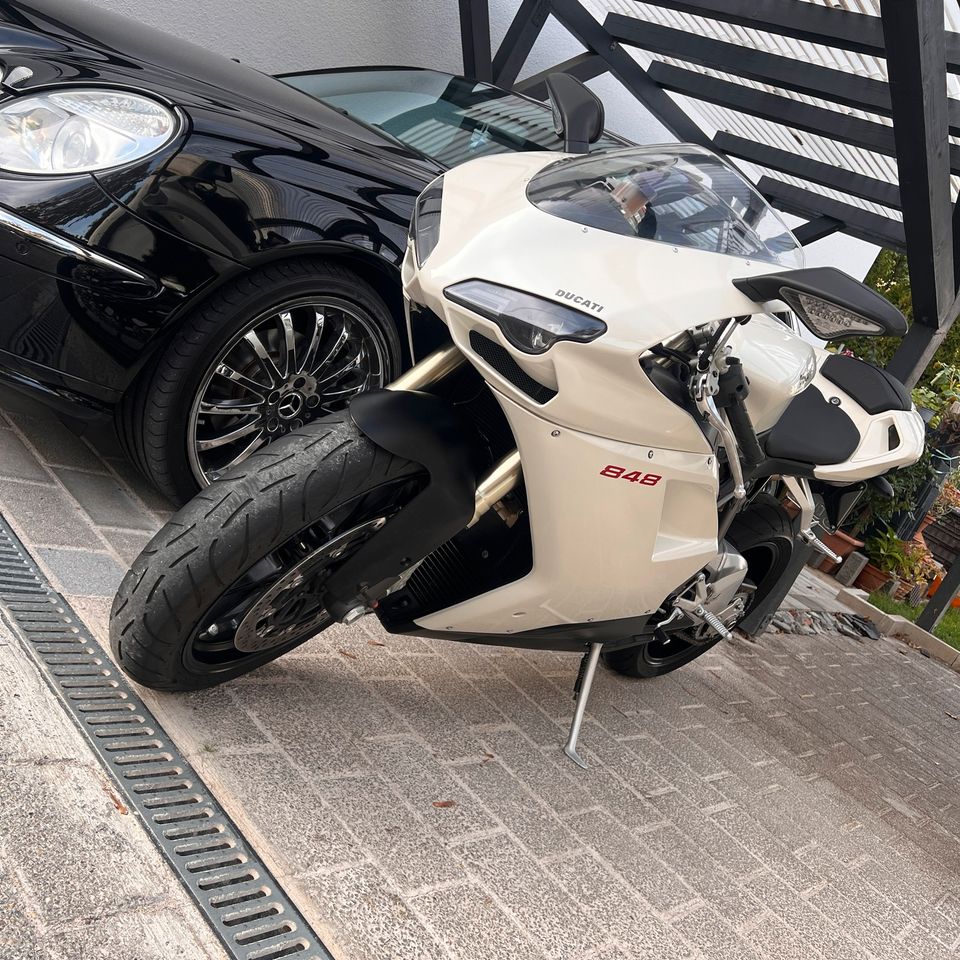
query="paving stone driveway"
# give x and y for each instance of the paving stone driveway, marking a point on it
(797, 797)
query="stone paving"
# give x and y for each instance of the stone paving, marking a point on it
(79, 878)
(793, 797)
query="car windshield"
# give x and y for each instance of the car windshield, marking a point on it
(448, 119)
(682, 195)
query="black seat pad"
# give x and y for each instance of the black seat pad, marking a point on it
(874, 389)
(813, 431)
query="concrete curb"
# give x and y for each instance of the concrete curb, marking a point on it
(900, 627)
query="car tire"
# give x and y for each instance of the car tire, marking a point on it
(162, 423)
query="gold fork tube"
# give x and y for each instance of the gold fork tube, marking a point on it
(430, 369)
(497, 484)
(506, 474)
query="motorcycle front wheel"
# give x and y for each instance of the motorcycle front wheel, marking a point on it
(764, 534)
(233, 580)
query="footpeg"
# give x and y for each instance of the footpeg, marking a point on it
(588, 667)
(696, 610)
(808, 536)
(711, 620)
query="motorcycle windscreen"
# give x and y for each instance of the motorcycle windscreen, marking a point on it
(681, 195)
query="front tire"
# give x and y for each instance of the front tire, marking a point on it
(764, 534)
(270, 352)
(232, 581)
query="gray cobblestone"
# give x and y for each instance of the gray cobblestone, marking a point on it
(394, 839)
(366, 917)
(57, 444)
(469, 923)
(83, 573)
(278, 803)
(530, 819)
(17, 462)
(45, 515)
(790, 797)
(127, 543)
(539, 903)
(105, 500)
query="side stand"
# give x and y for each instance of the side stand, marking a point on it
(581, 691)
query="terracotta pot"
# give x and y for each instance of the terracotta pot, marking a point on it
(841, 544)
(924, 523)
(871, 578)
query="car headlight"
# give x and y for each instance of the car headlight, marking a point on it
(81, 129)
(425, 228)
(532, 324)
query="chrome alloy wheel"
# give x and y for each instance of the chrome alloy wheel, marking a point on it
(296, 362)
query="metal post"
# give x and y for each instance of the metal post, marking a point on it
(939, 603)
(475, 39)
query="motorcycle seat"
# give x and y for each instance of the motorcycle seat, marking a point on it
(813, 430)
(874, 389)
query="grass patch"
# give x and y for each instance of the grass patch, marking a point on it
(947, 630)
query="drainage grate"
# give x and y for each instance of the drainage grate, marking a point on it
(239, 897)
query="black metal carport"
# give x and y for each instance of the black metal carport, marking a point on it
(907, 116)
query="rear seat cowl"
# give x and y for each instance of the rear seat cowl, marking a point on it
(874, 389)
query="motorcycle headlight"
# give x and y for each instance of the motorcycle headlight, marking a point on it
(75, 130)
(532, 324)
(425, 228)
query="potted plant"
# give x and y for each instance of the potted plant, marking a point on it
(887, 555)
(917, 571)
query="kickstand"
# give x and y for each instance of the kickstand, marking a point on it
(581, 691)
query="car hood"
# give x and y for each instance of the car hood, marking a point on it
(74, 41)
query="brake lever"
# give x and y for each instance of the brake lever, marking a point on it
(704, 385)
(719, 422)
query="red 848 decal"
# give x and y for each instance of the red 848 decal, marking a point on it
(634, 476)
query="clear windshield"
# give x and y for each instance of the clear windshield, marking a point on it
(681, 195)
(449, 119)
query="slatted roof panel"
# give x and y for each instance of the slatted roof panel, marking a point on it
(714, 118)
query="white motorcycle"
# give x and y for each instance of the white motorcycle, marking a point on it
(592, 455)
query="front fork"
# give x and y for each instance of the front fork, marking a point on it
(505, 476)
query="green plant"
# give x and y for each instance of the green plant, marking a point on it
(874, 509)
(890, 276)
(940, 393)
(918, 565)
(887, 552)
(948, 499)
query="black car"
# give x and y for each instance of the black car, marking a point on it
(207, 253)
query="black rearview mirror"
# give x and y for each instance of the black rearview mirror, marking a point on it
(577, 112)
(828, 302)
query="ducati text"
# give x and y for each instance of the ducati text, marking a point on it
(580, 301)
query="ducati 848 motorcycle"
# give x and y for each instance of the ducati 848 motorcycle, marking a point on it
(592, 453)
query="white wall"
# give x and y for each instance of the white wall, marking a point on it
(302, 34)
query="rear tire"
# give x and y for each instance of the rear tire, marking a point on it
(235, 543)
(764, 534)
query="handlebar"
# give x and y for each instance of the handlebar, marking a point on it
(733, 389)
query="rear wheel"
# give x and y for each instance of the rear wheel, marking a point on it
(763, 533)
(233, 580)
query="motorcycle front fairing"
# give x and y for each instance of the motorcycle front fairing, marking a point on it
(621, 481)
